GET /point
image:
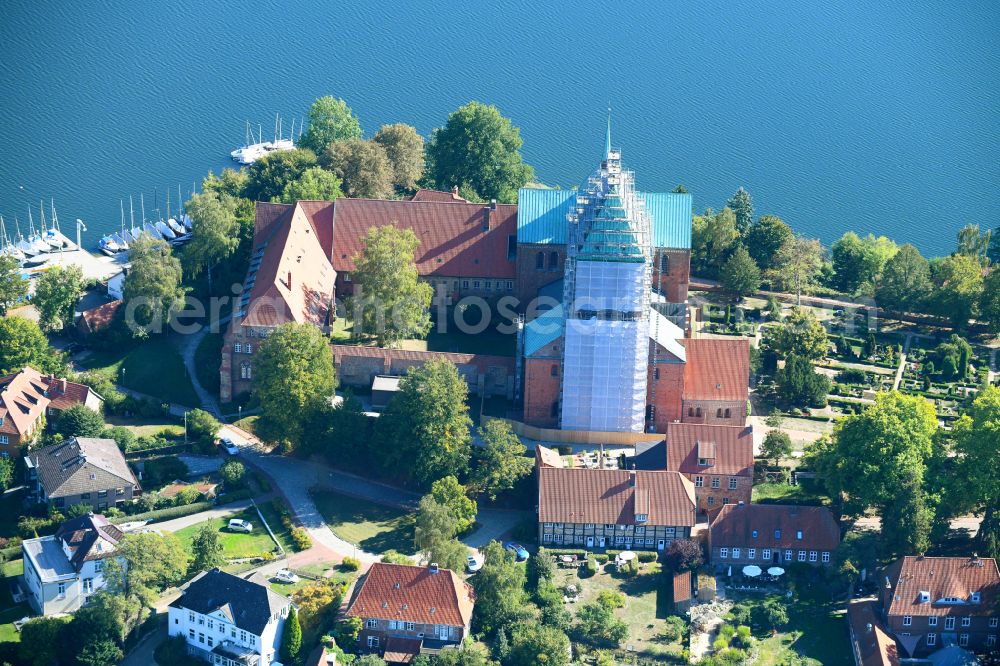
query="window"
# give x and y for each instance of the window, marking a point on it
(410, 626)
(245, 371)
(238, 348)
(963, 639)
(488, 285)
(788, 556)
(699, 481)
(243, 636)
(546, 538)
(249, 348)
(191, 634)
(777, 534)
(907, 620)
(656, 374)
(640, 529)
(711, 501)
(119, 491)
(754, 534)
(798, 535)
(232, 633)
(703, 462)
(539, 261)
(62, 590)
(931, 640)
(253, 640)
(718, 413)
(371, 624)
(211, 641)
(993, 622)
(609, 527)
(665, 264)
(697, 411)
(765, 554)
(475, 284)
(88, 585)
(966, 621)
(825, 557)
(4, 440)
(949, 623)
(373, 641)
(555, 409)
(715, 482)
(813, 555)
(751, 553)
(932, 621)
(201, 638)
(85, 496)
(975, 597)
(554, 370)
(465, 284)
(98, 566)
(211, 623)
(690, 411)
(190, 616)
(802, 556)
(732, 484)
(553, 261)
(736, 553)
(991, 640)
(102, 493)
(510, 285)
(729, 413)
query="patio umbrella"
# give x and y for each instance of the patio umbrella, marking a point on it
(775, 571)
(751, 570)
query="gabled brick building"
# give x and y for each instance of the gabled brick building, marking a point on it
(932, 602)
(772, 534)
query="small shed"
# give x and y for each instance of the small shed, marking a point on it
(384, 387)
(683, 596)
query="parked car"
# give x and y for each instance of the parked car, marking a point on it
(240, 525)
(229, 446)
(520, 551)
(286, 576)
(474, 563)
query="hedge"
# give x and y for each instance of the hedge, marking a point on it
(235, 496)
(11, 553)
(165, 514)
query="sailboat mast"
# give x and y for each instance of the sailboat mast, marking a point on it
(131, 211)
(122, 203)
(168, 203)
(142, 205)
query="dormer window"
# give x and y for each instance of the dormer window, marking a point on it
(924, 597)
(949, 600)
(641, 517)
(975, 598)
(703, 462)
(754, 534)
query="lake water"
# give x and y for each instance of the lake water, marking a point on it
(877, 117)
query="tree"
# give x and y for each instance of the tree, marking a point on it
(742, 207)
(424, 431)
(713, 239)
(330, 119)
(124, 438)
(801, 334)
(405, 149)
(215, 234)
(776, 445)
(78, 510)
(989, 306)
(772, 614)
(740, 275)
(152, 290)
(533, 644)
(993, 252)
(479, 149)
(206, 550)
(315, 184)
(906, 518)
(683, 555)
(765, 238)
(449, 492)
(103, 652)
(394, 302)
(79, 421)
(232, 473)
(40, 638)
(796, 265)
(268, 176)
(148, 564)
(57, 290)
(857, 261)
(597, 620)
(975, 484)
(362, 166)
(800, 385)
(952, 356)
(434, 535)
(905, 282)
(22, 343)
(499, 588)
(291, 637)
(317, 607)
(975, 244)
(6, 473)
(369, 660)
(958, 289)
(202, 428)
(470, 654)
(294, 376)
(13, 288)
(500, 463)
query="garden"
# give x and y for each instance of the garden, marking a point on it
(236, 545)
(374, 528)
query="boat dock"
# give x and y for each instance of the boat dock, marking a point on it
(94, 267)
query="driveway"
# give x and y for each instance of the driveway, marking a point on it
(142, 654)
(187, 521)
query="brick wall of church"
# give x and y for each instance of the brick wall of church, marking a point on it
(541, 392)
(673, 284)
(665, 390)
(531, 277)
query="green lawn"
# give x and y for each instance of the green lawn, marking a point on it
(282, 533)
(234, 544)
(153, 367)
(8, 610)
(146, 427)
(806, 492)
(372, 527)
(325, 570)
(817, 631)
(207, 358)
(647, 605)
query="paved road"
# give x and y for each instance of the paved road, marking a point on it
(195, 518)
(142, 655)
(188, 345)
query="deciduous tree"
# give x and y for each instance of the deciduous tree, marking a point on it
(989, 306)
(152, 290)
(797, 264)
(905, 282)
(405, 149)
(215, 234)
(293, 377)
(974, 243)
(23, 343)
(907, 518)
(857, 261)
(202, 428)
(206, 550)
(13, 287)
(362, 166)
(79, 421)
(268, 177)
(801, 334)
(315, 184)
(435, 533)
(500, 463)
(713, 239)
(958, 288)
(452, 494)
(330, 119)
(533, 644)
(499, 587)
(683, 555)
(148, 564)
(393, 302)
(740, 275)
(57, 290)
(776, 445)
(480, 149)
(765, 238)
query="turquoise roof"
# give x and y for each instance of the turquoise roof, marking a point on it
(541, 217)
(545, 328)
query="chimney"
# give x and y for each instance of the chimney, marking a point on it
(289, 279)
(454, 190)
(493, 204)
(631, 477)
(62, 384)
(433, 568)
(486, 218)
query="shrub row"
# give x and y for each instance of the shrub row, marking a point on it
(165, 514)
(234, 496)
(300, 537)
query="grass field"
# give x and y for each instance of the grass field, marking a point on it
(325, 570)
(234, 544)
(282, 533)
(206, 359)
(143, 427)
(154, 367)
(372, 527)
(816, 631)
(806, 492)
(9, 612)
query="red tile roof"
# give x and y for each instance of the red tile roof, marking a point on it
(23, 398)
(872, 646)
(943, 577)
(776, 525)
(399, 650)
(682, 587)
(99, 317)
(412, 594)
(452, 240)
(546, 457)
(732, 447)
(437, 195)
(716, 369)
(481, 361)
(604, 496)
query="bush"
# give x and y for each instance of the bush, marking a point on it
(350, 564)
(852, 376)
(647, 556)
(301, 539)
(188, 495)
(160, 471)
(165, 514)
(124, 438)
(233, 473)
(235, 496)
(590, 567)
(629, 569)
(79, 421)
(602, 558)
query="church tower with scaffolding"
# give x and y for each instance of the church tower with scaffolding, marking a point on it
(606, 285)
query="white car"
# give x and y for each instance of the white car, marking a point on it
(229, 446)
(240, 525)
(286, 576)
(474, 563)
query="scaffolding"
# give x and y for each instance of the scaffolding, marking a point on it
(607, 295)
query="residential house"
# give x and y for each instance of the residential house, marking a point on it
(229, 620)
(870, 644)
(81, 470)
(320, 656)
(28, 396)
(612, 508)
(933, 602)
(409, 610)
(772, 534)
(64, 570)
(99, 318)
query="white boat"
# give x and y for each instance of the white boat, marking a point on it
(176, 226)
(258, 148)
(165, 231)
(7, 247)
(188, 222)
(109, 245)
(34, 239)
(151, 231)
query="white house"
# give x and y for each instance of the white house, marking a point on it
(62, 571)
(229, 620)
